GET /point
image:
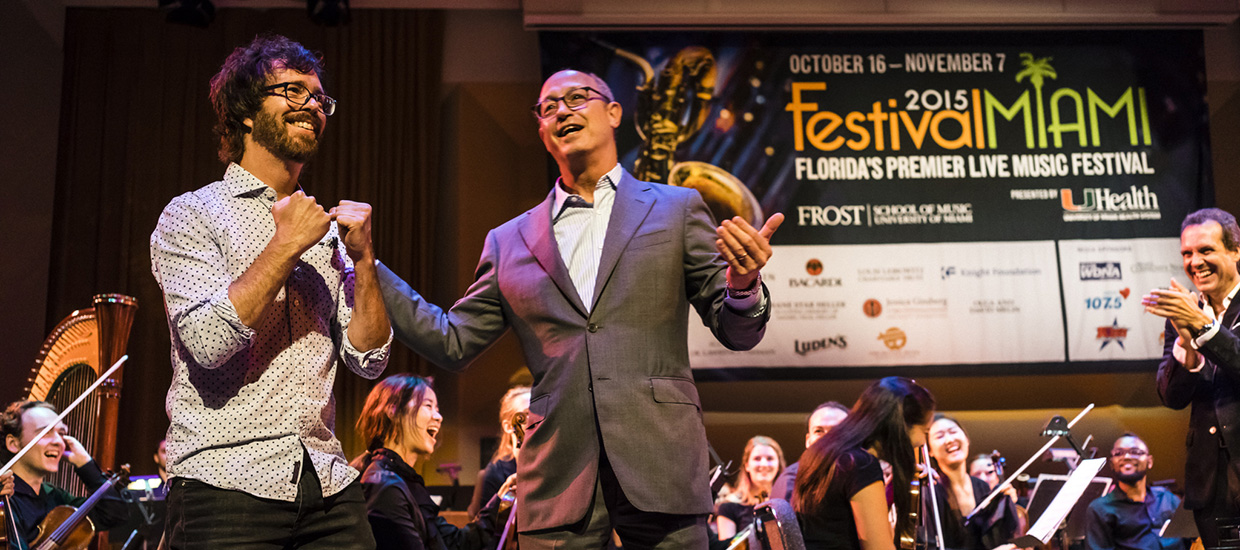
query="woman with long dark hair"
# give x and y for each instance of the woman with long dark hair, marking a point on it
(839, 496)
(958, 493)
(400, 423)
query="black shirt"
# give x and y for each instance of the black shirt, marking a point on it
(834, 527)
(30, 507)
(990, 527)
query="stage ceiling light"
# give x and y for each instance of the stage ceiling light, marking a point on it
(198, 13)
(328, 12)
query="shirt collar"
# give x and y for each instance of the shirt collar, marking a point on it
(241, 182)
(21, 487)
(610, 179)
(1226, 301)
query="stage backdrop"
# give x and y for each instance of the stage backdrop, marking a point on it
(963, 202)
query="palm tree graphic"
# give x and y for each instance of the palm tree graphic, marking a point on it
(1037, 69)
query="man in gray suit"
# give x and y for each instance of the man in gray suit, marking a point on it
(597, 281)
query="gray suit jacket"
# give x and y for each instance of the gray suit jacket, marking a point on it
(614, 378)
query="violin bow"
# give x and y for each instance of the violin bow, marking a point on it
(934, 502)
(1008, 482)
(8, 466)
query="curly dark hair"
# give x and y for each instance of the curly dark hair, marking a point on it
(11, 423)
(237, 90)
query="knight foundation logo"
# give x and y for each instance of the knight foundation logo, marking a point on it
(893, 338)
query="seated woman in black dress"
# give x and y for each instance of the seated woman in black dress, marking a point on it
(400, 424)
(958, 493)
(760, 465)
(839, 495)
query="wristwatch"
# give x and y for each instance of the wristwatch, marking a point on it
(1203, 330)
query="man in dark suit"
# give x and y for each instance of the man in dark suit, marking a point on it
(1201, 365)
(597, 281)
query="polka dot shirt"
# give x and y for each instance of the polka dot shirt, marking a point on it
(245, 401)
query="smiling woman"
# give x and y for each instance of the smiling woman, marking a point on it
(400, 424)
(958, 493)
(761, 463)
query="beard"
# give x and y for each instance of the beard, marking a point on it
(1131, 479)
(270, 132)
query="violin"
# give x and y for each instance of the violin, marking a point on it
(68, 528)
(508, 501)
(925, 507)
(1022, 515)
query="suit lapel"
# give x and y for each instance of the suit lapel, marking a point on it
(633, 203)
(1232, 316)
(539, 237)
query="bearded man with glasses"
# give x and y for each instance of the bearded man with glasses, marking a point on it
(1131, 516)
(266, 293)
(597, 282)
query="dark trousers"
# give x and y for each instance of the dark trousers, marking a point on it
(610, 510)
(202, 517)
(1223, 510)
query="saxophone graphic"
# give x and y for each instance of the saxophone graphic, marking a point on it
(672, 106)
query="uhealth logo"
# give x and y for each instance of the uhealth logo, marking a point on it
(1101, 271)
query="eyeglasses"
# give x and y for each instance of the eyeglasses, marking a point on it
(299, 96)
(575, 99)
(1135, 453)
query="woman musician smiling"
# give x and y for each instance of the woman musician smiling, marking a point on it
(400, 423)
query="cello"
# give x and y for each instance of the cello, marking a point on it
(63, 528)
(12, 537)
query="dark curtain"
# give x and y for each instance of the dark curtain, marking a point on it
(136, 131)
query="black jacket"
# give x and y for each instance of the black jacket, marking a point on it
(1214, 393)
(402, 514)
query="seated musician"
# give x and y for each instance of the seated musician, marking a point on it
(761, 462)
(958, 493)
(32, 496)
(1131, 516)
(503, 463)
(400, 424)
(839, 495)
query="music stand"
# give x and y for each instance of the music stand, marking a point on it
(1067, 492)
(1182, 525)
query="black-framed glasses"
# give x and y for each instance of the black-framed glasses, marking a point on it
(574, 99)
(1134, 452)
(298, 95)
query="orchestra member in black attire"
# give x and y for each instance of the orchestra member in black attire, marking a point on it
(32, 496)
(761, 462)
(400, 424)
(839, 495)
(958, 493)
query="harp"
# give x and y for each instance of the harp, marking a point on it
(74, 355)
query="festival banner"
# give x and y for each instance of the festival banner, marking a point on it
(984, 199)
